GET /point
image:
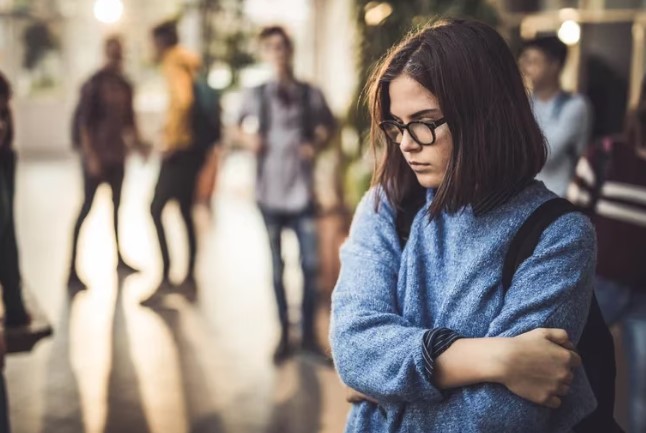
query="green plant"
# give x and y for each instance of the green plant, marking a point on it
(226, 35)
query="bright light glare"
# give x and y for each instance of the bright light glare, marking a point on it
(376, 13)
(220, 77)
(570, 32)
(108, 11)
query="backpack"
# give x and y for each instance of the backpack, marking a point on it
(205, 116)
(596, 345)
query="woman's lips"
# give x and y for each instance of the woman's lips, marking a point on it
(419, 166)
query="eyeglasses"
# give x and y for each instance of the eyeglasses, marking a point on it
(421, 131)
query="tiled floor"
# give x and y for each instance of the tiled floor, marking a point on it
(114, 366)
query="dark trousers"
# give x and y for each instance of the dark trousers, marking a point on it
(10, 280)
(113, 176)
(304, 225)
(4, 406)
(177, 178)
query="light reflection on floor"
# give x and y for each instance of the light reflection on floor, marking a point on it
(114, 366)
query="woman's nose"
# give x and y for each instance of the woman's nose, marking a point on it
(408, 144)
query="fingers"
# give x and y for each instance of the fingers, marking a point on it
(553, 402)
(568, 379)
(353, 396)
(563, 390)
(558, 336)
(574, 359)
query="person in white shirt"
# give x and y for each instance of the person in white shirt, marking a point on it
(564, 118)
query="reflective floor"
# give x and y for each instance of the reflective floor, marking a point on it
(115, 366)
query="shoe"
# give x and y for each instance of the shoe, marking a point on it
(17, 319)
(311, 348)
(125, 268)
(155, 298)
(75, 284)
(188, 288)
(283, 350)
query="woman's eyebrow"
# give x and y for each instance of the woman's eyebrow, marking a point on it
(418, 114)
(426, 112)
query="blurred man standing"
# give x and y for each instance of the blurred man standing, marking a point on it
(10, 279)
(292, 123)
(564, 118)
(181, 158)
(103, 128)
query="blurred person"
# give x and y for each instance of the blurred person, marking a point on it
(182, 159)
(565, 118)
(429, 329)
(293, 123)
(104, 127)
(4, 400)
(611, 182)
(16, 314)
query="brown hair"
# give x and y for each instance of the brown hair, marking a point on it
(551, 46)
(496, 142)
(167, 32)
(270, 31)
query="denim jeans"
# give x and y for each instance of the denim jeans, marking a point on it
(304, 225)
(626, 307)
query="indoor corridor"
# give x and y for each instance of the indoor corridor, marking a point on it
(185, 367)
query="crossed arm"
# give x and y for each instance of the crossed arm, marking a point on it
(380, 354)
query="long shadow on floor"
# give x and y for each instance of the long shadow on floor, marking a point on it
(62, 412)
(198, 399)
(301, 412)
(125, 412)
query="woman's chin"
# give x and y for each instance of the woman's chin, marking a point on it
(429, 180)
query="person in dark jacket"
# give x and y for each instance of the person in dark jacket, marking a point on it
(104, 127)
(16, 314)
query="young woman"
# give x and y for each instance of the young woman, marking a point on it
(425, 334)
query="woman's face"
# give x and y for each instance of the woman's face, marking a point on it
(410, 101)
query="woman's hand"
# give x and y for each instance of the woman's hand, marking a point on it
(353, 396)
(537, 365)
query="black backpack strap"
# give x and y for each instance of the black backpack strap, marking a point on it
(306, 112)
(263, 112)
(561, 99)
(596, 345)
(524, 243)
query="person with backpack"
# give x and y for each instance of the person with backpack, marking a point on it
(610, 183)
(286, 122)
(565, 118)
(465, 283)
(183, 149)
(104, 128)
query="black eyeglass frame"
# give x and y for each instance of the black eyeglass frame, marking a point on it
(431, 124)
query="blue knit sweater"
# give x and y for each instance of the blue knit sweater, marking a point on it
(449, 275)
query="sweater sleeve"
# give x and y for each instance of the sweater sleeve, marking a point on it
(376, 351)
(553, 289)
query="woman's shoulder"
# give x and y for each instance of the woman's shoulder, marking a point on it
(374, 208)
(569, 227)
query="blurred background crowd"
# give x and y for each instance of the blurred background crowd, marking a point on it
(216, 317)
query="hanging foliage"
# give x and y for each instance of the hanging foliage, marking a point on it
(400, 17)
(38, 41)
